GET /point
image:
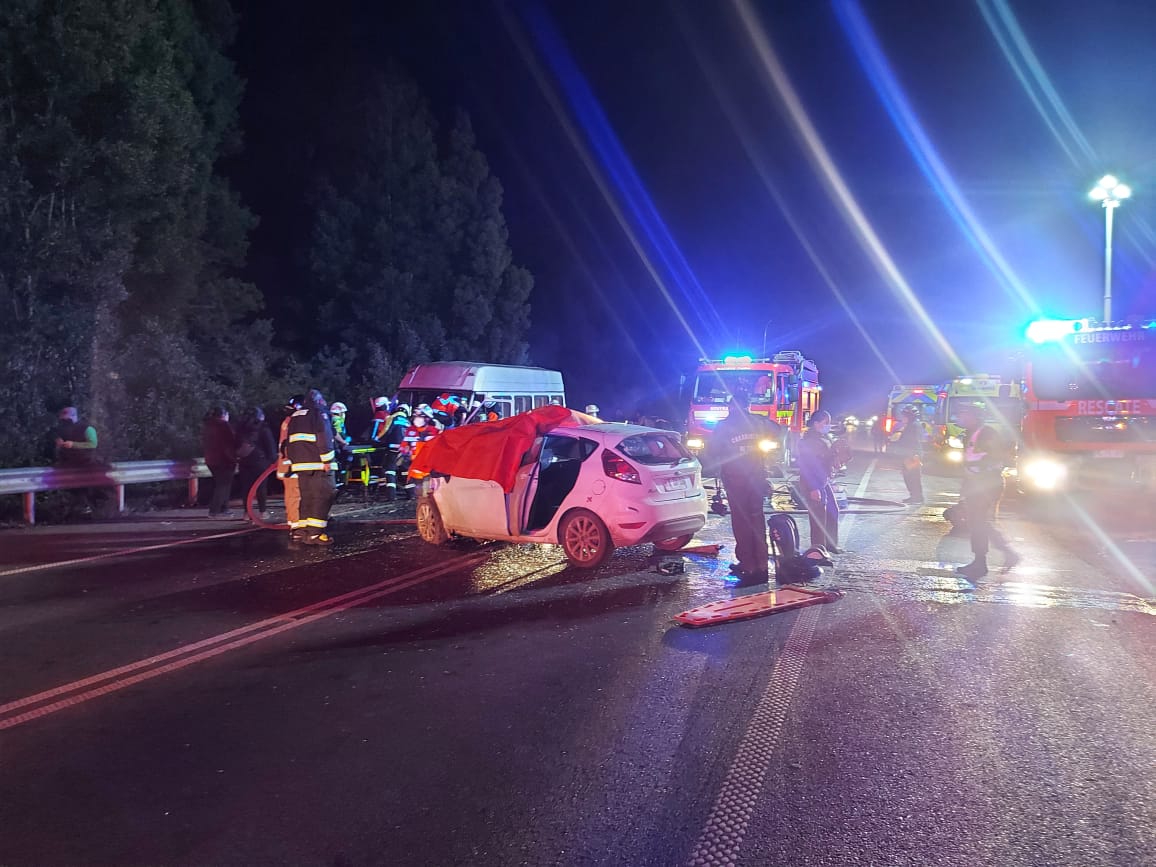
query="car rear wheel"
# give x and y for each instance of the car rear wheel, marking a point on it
(429, 521)
(584, 539)
(674, 544)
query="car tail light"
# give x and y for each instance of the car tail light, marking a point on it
(617, 467)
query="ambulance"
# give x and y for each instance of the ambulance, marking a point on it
(1003, 405)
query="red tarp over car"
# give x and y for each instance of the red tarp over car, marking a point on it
(491, 450)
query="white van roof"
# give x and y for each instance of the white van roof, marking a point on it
(484, 378)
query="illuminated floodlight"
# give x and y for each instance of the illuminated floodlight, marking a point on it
(1108, 186)
(1109, 192)
(737, 359)
(1050, 330)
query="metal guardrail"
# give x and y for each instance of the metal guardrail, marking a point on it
(28, 481)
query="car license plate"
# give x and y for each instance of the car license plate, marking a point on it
(1110, 453)
(680, 483)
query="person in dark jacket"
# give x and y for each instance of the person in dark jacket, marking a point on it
(817, 463)
(742, 466)
(76, 447)
(256, 451)
(76, 440)
(221, 458)
(313, 459)
(985, 454)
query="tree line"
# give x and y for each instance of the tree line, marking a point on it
(123, 244)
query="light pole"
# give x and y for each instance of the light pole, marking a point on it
(1109, 192)
(765, 327)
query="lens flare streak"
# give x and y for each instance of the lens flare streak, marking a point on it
(616, 179)
(835, 184)
(887, 87)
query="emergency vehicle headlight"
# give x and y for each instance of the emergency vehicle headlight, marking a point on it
(766, 446)
(1044, 473)
(695, 444)
(955, 456)
(954, 443)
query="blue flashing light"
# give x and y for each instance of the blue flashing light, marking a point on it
(737, 359)
(1051, 330)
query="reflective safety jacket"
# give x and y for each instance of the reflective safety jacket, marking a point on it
(284, 465)
(415, 436)
(395, 433)
(309, 443)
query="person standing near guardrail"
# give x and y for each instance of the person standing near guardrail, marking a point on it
(76, 440)
(76, 445)
(313, 458)
(221, 459)
(255, 452)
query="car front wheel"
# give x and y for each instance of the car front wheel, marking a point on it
(674, 544)
(584, 539)
(429, 521)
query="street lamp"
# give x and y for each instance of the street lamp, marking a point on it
(765, 327)
(1109, 192)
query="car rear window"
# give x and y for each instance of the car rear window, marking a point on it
(654, 448)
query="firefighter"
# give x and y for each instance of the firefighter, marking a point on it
(743, 471)
(392, 440)
(313, 459)
(286, 475)
(421, 430)
(340, 434)
(817, 463)
(447, 410)
(381, 412)
(984, 456)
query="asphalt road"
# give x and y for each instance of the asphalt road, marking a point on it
(184, 692)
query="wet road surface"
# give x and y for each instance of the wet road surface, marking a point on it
(229, 701)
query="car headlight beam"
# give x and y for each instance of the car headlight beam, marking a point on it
(1044, 474)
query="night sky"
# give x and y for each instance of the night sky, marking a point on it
(685, 177)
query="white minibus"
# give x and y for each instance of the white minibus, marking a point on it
(514, 389)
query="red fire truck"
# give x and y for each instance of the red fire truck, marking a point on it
(784, 388)
(1090, 413)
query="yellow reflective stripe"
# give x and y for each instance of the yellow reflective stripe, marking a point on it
(315, 522)
(310, 466)
(328, 456)
(302, 438)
